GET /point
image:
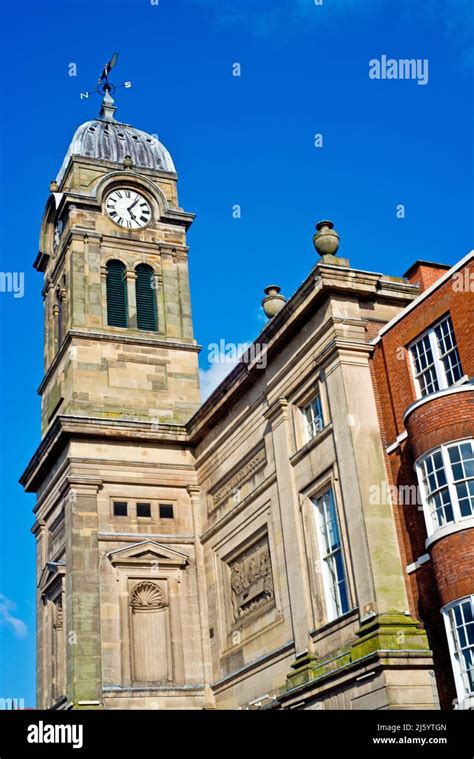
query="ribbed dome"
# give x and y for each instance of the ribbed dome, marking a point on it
(112, 141)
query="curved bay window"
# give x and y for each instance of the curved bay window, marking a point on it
(459, 620)
(117, 315)
(146, 298)
(446, 477)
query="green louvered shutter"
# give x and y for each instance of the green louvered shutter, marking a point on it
(116, 295)
(146, 298)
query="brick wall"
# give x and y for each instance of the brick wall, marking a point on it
(425, 274)
(437, 421)
(391, 356)
(441, 420)
(453, 562)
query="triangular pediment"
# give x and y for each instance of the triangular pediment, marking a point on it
(148, 552)
(49, 575)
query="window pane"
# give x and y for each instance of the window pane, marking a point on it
(441, 341)
(452, 368)
(333, 528)
(448, 352)
(166, 511)
(470, 634)
(143, 510)
(467, 450)
(441, 508)
(120, 509)
(436, 477)
(462, 625)
(336, 590)
(458, 618)
(465, 494)
(424, 366)
(468, 665)
(314, 417)
(468, 612)
(455, 453)
(462, 467)
(344, 601)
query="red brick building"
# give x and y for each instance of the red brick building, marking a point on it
(423, 368)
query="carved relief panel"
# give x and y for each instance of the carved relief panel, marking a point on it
(251, 579)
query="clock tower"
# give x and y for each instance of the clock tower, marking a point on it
(118, 329)
(120, 607)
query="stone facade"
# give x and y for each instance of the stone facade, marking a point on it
(181, 559)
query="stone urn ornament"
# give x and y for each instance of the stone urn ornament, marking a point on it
(326, 239)
(273, 302)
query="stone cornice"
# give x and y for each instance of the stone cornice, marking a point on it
(80, 484)
(66, 428)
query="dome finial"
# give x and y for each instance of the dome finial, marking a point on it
(108, 108)
(106, 88)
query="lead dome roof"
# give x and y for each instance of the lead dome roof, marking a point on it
(110, 140)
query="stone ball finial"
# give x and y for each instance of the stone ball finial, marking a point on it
(53, 186)
(127, 162)
(326, 239)
(273, 301)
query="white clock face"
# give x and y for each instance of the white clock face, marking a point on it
(128, 208)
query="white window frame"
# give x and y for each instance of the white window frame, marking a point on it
(437, 358)
(331, 587)
(311, 427)
(431, 525)
(454, 651)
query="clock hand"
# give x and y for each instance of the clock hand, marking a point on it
(133, 204)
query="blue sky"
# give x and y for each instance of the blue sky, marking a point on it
(245, 141)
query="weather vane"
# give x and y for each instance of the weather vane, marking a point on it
(104, 87)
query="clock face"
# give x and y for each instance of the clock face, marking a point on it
(128, 208)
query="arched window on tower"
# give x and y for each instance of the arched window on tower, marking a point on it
(117, 315)
(146, 298)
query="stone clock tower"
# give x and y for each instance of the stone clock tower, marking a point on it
(120, 612)
(118, 328)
